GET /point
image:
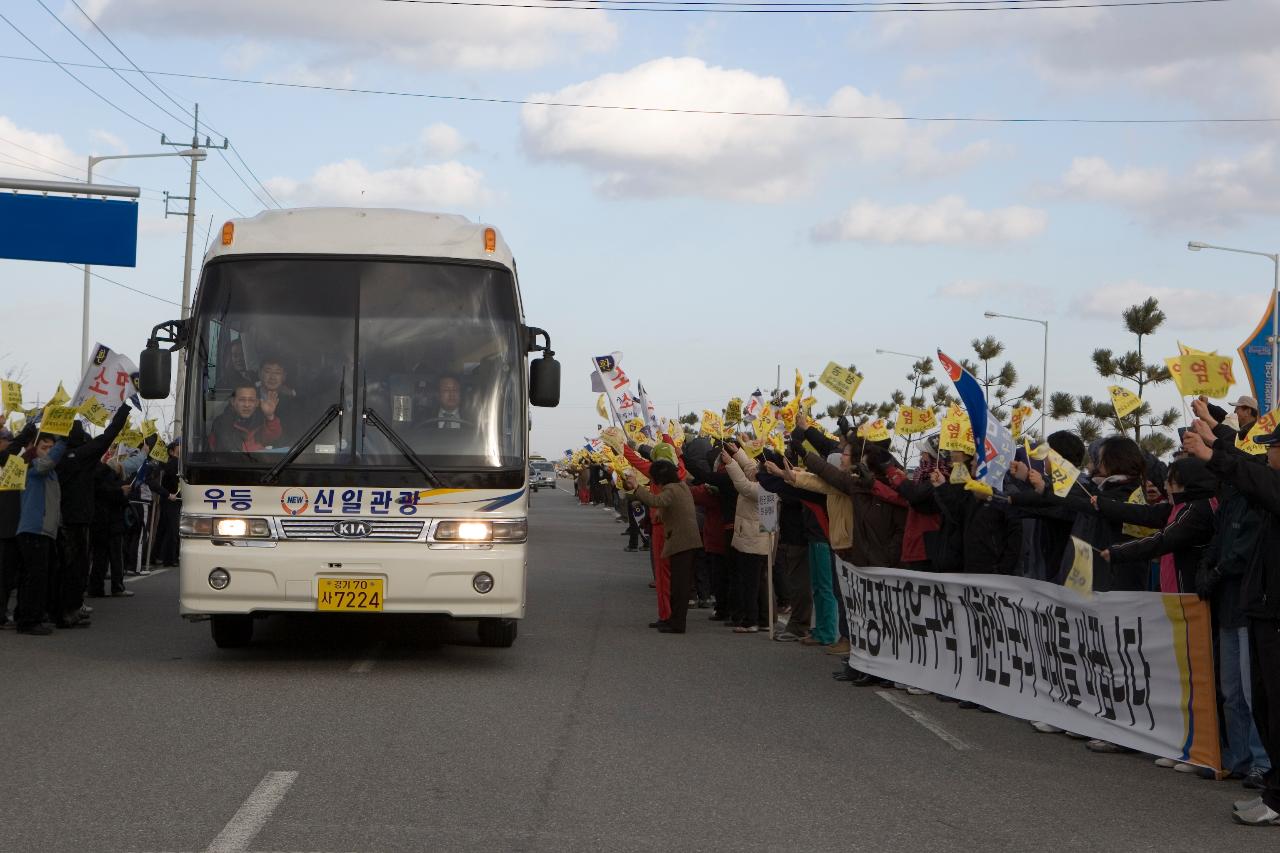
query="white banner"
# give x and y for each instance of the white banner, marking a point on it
(110, 378)
(1132, 668)
(618, 386)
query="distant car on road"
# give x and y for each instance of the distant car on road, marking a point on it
(542, 474)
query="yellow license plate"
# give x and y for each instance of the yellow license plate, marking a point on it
(349, 594)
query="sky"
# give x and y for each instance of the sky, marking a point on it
(708, 249)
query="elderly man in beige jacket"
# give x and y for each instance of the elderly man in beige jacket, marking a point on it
(750, 545)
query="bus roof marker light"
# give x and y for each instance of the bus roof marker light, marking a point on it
(490, 240)
(228, 233)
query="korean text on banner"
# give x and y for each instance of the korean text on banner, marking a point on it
(1255, 355)
(712, 426)
(1132, 668)
(957, 434)
(1267, 423)
(160, 452)
(1017, 418)
(12, 393)
(1210, 375)
(1124, 401)
(57, 420)
(110, 378)
(841, 380)
(767, 505)
(13, 477)
(912, 420)
(94, 412)
(873, 431)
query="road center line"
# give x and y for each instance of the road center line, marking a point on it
(254, 813)
(149, 574)
(923, 719)
(366, 664)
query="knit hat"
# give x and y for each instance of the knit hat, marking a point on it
(662, 450)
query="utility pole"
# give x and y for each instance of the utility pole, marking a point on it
(190, 213)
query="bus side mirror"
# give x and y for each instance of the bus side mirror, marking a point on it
(544, 381)
(155, 372)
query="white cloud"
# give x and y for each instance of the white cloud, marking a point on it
(949, 220)
(1217, 191)
(442, 140)
(110, 140)
(741, 158)
(343, 32)
(31, 154)
(1016, 291)
(1185, 308)
(442, 186)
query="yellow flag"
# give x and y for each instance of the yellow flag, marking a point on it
(1017, 418)
(776, 442)
(733, 412)
(1062, 473)
(876, 430)
(635, 431)
(58, 420)
(712, 425)
(979, 488)
(753, 446)
(12, 394)
(1210, 375)
(94, 412)
(60, 397)
(841, 380)
(1183, 349)
(160, 453)
(912, 420)
(1080, 578)
(957, 432)
(959, 474)
(1124, 401)
(602, 407)
(1139, 497)
(799, 384)
(14, 476)
(788, 414)
(148, 428)
(129, 437)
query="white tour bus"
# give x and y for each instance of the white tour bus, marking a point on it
(355, 420)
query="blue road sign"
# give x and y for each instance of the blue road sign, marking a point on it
(63, 228)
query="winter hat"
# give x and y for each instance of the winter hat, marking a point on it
(663, 451)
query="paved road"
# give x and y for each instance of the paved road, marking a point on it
(592, 733)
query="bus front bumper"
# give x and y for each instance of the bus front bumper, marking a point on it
(416, 578)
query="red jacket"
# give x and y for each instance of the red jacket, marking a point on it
(713, 527)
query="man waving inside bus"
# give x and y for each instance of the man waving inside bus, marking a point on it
(247, 424)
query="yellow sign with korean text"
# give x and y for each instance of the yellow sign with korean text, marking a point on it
(876, 430)
(60, 397)
(712, 425)
(148, 428)
(94, 412)
(957, 432)
(14, 476)
(12, 394)
(1017, 418)
(1210, 375)
(912, 420)
(841, 380)
(57, 420)
(160, 452)
(129, 437)
(1124, 401)
(733, 412)
(1080, 578)
(635, 431)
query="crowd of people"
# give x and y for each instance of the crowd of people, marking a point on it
(91, 512)
(1207, 522)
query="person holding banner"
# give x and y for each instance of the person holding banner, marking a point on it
(38, 533)
(1260, 595)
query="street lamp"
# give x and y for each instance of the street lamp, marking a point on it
(193, 153)
(1044, 385)
(903, 354)
(1275, 309)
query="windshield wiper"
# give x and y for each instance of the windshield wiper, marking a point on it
(318, 427)
(400, 444)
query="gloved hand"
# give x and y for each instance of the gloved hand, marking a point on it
(1207, 580)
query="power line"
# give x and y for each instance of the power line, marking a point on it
(906, 6)
(175, 102)
(127, 287)
(681, 110)
(251, 190)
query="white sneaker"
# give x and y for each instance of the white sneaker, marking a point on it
(1046, 728)
(1166, 762)
(1182, 767)
(1246, 805)
(917, 691)
(898, 685)
(1259, 815)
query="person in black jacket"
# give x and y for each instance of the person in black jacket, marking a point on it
(75, 474)
(167, 491)
(110, 503)
(10, 511)
(1260, 593)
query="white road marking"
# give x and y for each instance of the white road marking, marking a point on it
(254, 813)
(923, 719)
(366, 664)
(150, 574)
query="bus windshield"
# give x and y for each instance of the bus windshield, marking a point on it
(432, 347)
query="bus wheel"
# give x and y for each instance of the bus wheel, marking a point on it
(231, 632)
(497, 633)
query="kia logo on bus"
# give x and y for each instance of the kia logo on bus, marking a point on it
(351, 529)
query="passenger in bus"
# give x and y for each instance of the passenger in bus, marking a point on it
(235, 369)
(248, 424)
(449, 411)
(273, 388)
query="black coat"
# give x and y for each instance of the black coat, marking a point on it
(11, 502)
(75, 471)
(990, 536)
(110, 503)
(1184, 532)
(1260, 590)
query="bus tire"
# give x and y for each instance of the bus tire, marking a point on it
(497, 633)
(231, 632)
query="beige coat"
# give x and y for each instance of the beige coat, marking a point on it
(747, 537)
(679, 519)
(839, 509)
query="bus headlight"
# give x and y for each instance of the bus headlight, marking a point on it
(499, 530)
(241, 528)
(219, 578)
